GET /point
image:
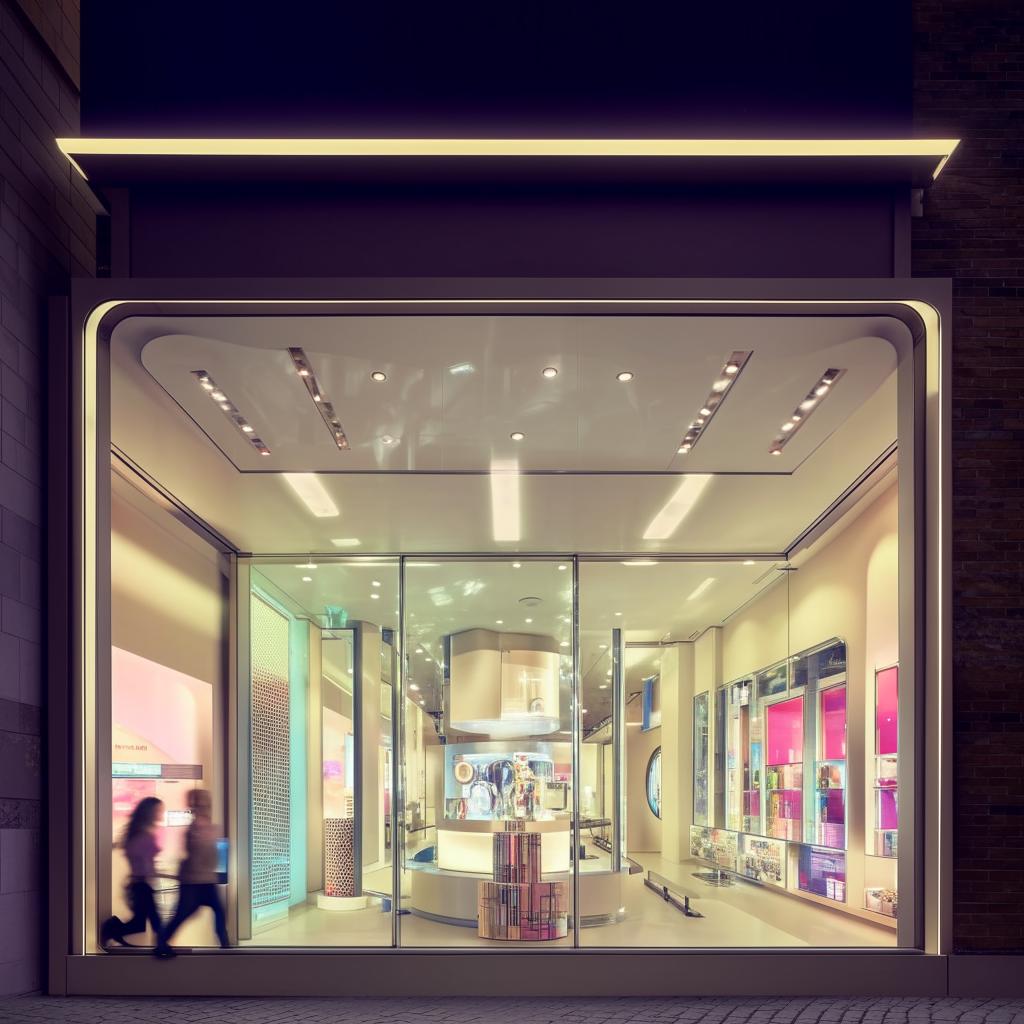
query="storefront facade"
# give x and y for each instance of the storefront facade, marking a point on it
(640, 582)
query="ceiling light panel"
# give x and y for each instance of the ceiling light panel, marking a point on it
(304, 369)
(822, 388)
(230, 410)
(313, 495)
(720, 388)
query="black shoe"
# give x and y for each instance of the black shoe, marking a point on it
(109, 932)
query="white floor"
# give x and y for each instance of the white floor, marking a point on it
(740, 915)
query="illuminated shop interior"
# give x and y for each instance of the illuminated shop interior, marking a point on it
(513, 631)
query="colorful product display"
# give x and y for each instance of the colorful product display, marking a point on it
(823, 872)
(502, 786)
(881, 901)
(886, 762)
(763, 860)
(517, 905)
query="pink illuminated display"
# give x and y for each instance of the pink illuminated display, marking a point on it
(785, 728)
(886, 687)
(833, 724)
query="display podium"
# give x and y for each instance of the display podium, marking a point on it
(517, 905)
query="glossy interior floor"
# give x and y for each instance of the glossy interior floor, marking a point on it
(741, 915)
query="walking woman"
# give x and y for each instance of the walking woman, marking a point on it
(198, 875)
(141, 848)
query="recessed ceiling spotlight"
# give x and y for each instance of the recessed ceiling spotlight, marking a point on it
(387, 439)
(517, 435)
(609, 672)
(375, 597)
(413, 687)
(307, 579)
(323, 404)
(460, 368)
(699, 425)
(550, 371)
(207, 383)
(640, 561)
(624, 376)
(749, 561)
(375, 583)
(604, 647)
(499, 622)
(618, 613)
(562, 567)
(428, 658)
(528, 620)
(517, 565)
(379, 376)
(807, 405)
(564, 643)
(603, 686)
(419, 650)
(346, 542)
(584, 710)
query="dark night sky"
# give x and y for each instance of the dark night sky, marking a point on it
(528, 68)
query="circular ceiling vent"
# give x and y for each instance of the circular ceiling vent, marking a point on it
(531, 602)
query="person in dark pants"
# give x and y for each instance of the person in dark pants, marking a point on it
(198, 876)
(141, 848)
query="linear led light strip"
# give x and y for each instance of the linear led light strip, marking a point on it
(209, 385)
(305, 371)
(821, 390)
(699, 425)
(939, 150)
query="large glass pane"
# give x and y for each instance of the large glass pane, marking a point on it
(487, 854)
(321, 656)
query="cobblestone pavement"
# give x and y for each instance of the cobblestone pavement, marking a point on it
(43, 1010)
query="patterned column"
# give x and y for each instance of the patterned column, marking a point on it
(339, 865)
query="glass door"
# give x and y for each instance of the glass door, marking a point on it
(489, 778)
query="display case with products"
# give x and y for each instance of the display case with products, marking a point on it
(489, 783)
(822, 872)
(830, 769)
(752, 803)
(784, 770)
(737, 767)
(763, 860)
(886, 801)
(700, 759)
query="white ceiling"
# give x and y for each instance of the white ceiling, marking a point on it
(582, 420)
(620, 438)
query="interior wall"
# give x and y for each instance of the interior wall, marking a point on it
(847, 588)
(169, 597)
(643, 829)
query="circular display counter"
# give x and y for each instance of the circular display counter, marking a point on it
(468, 846)
(451, 897)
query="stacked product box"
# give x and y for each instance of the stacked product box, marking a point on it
(517, 905)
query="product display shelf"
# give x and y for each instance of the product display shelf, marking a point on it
(822, 872)
(784, 801)
(886, 807)
(830, 804)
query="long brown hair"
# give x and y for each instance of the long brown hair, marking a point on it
(142, 817)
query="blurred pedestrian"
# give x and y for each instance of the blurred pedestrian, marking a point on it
(141, 848)
(198, 875)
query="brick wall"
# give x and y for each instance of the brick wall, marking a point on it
(969, 83)
(47, 233)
